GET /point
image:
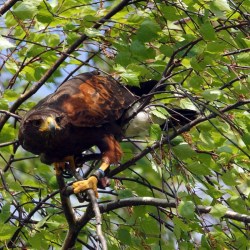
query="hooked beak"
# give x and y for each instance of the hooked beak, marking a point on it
(49, 125)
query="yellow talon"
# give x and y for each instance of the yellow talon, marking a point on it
(60, 166)
(90, 183)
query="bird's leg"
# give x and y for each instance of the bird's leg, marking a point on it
(91, 182)
(60, 166)
(111, 153)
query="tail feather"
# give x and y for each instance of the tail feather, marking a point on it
(140, 123)
(180, 116)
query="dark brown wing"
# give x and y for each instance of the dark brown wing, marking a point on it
(90, 100)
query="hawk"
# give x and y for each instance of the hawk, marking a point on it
(84, 111)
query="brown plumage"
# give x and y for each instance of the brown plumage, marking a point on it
(83, 112)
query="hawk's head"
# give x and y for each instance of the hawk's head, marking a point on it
(39, 129)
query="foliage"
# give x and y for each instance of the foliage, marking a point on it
(199, 50)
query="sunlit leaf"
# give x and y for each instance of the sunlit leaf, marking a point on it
(186, 209)
(5, 43)
(218, 210)
(26, 9)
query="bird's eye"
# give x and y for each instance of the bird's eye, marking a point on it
(37, 123)
(58, 119)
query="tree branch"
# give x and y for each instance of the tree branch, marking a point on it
(7, 5)
(18, 117)
(66, 205)
(98, 218)
(11, 242)
(149, 201)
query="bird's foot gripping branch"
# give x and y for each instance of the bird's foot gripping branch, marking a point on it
(97, 177)
(90, 183)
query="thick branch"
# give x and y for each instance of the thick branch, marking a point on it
(7, 5)
(66, 205)
(149, 201)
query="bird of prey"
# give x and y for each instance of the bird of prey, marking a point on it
(84, 111)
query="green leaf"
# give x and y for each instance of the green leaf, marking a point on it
(207, 32)
(186, 209)
(40, 240)
(215, 47)
(7, 133)
(44, 14)
(10, 95)
(199, 168)
(91, 32)
(230, 178)
(246, 139)
(52, 39)
(4, 104)
(166, 50)
(6, 231)
(148, 31)
(9, 20)
(5, 43)
(204, 243)
(155, 132)
(221, 5)
(147, 224)
(124, 193)
(178, 222)
(218, 210)
(212, 94)
(196, 81)
(183, 151)
(138, 48)
(170, 12)
(5, 212)
(235, 203)
(124, 236)
(42, 222)
(26, 9)
(130, 78)
(53, 182)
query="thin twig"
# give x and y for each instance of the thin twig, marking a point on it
(4, 144)
(18, 117)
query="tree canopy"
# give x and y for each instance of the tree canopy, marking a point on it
(182, 188)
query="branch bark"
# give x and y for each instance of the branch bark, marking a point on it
(7, 5)
(149, 201)
(98, 218)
